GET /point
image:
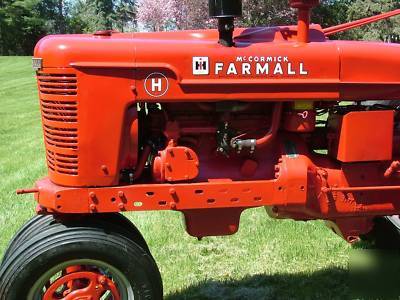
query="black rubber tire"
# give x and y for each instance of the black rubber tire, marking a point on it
(67, 242)
(39, 223)
(385, 234)
(29, 229)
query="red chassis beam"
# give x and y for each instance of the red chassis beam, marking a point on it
(300, 187)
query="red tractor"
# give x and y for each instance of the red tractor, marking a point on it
(207, 123)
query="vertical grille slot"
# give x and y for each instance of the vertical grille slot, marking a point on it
(59, 106)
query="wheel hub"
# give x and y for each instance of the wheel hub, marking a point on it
(81, 285)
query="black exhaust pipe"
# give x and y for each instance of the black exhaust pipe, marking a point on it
(225, 11)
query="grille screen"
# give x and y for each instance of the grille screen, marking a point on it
(58, 99)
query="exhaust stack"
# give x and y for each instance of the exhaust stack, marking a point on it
(225, 11)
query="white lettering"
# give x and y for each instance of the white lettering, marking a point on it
(302, 70)
(262, 69)
(246, 69)
(156, 83)
(231, 69)
(218, 68)
(278, 69)
(290, 71)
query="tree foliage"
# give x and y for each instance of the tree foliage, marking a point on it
(24, 22)
(377, 31)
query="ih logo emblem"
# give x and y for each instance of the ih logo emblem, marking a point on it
(156, 84)
(201, 65)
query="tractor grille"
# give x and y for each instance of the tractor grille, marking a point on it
(60, 111)
(59, 105)
(57, 84)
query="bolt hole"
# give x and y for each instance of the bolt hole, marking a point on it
(257, 198)
(352, 239)
(198, 192)
(58, 196)
(280, 188)
(112, 199)
(302, 188)
(210, 201)
(58, 206)
(248, 190)
(235, 200)
(162, 203)
(149, 194)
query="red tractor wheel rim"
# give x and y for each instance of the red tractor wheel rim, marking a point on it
(85, 285)
(82, 279)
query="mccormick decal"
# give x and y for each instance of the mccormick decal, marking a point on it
(250, 65)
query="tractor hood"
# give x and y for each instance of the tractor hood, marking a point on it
(265, 63)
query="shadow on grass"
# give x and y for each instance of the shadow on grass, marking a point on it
(330, 283)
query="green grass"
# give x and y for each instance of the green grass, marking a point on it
(266, 259)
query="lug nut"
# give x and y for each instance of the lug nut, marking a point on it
(102, 280)
(92, 207)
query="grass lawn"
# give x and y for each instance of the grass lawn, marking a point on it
(266, 259)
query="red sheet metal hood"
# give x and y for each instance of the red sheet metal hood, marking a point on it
(341, 69)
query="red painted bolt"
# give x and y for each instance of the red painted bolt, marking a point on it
(121, 194)
(121, 206)
(92, 207)
(92, 195)
(172, 205)
(172, 191)
(104, 169)
(102, 280)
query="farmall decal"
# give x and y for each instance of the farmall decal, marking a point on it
(250, 65)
